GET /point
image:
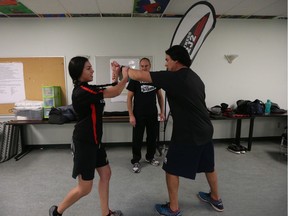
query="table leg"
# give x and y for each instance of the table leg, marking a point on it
(250, 133)
(238, 132)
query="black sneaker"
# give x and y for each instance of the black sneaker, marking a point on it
(243, 149)
(234, 148)
(53, 211)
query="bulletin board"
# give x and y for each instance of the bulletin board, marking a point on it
(38, 72)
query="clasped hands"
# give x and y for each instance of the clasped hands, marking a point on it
(119, 72)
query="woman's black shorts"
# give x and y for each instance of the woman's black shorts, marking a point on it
(88, 157)
(186, 160)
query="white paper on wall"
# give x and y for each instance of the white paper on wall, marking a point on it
(12, 87)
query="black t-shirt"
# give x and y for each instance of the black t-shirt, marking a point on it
(186, 96)
(88, 103)
(144, 98)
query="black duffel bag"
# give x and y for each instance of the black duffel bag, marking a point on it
(61, 115)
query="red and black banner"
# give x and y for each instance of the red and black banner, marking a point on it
(194, 27)
(192, 30)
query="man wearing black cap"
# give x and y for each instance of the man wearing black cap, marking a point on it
(191, 150)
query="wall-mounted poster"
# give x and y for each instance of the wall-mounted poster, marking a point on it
(11, 83)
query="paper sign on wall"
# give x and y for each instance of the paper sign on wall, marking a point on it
(11, 83)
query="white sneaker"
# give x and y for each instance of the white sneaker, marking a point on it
(136, 167)
(153, 162)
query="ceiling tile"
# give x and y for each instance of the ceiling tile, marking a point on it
(80, 7)
(114, 6)
(249, 7)
(175, 8)
(44, 6)
(279, 7)
(222, 6)
(179, 7)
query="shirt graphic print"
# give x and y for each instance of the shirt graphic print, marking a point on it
(147, 88)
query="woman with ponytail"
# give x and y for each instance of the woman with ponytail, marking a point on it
(90, 154)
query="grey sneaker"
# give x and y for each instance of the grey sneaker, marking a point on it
(153, 162)
(115, 213)
(136, 167)
(164, 210)
(216, 204)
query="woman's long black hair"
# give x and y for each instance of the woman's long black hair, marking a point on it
(75, 68)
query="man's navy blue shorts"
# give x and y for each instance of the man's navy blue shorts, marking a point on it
(186, 160)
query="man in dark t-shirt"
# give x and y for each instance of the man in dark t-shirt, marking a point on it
(191, 150)
(143, 114)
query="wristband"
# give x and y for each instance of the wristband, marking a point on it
(120, 75)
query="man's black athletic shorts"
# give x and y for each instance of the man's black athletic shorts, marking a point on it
(186, 160)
